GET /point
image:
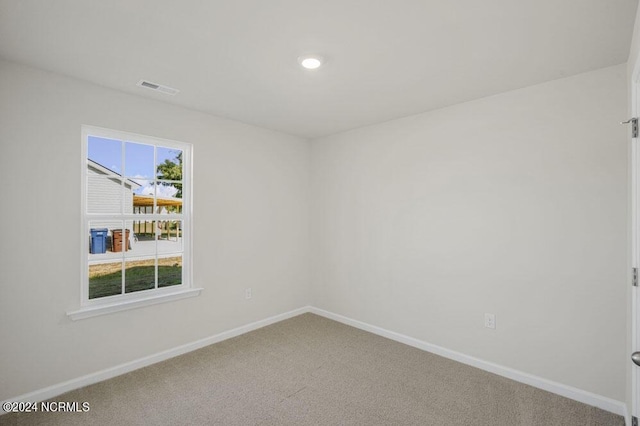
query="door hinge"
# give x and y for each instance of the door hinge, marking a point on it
(634, 281)
(634, 126)
(634, 421)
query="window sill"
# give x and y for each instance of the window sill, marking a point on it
(93, 311)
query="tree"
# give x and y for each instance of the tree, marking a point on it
(172, 170)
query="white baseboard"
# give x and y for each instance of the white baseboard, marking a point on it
(576, 394)
(89, 379)
(589, 398)
(627, 417)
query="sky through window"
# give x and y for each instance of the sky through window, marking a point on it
(138, 164)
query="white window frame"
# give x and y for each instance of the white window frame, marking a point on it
(110, 304)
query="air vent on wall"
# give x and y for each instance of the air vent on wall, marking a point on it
(158, 87)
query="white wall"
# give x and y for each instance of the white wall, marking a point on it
(514, 204)
(250, 226)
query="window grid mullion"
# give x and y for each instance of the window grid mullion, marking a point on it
(155, 209)
(123, 265)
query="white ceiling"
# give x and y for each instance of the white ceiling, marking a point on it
(385, 58)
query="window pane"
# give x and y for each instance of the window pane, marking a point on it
(170, 238)
(105, 153)
(168, 197)
(143, 203)
(169, 163)
(101, 238)
(105, 279)
(104, 194)
(139, 275)
(144, 231)
(169, 271)
(131, 248)
(138, 162)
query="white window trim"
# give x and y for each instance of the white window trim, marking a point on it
(110, 304)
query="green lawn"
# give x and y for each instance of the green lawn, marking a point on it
(137, 278)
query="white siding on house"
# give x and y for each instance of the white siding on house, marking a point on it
(104, 195)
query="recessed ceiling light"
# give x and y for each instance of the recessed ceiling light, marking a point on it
(310, 62)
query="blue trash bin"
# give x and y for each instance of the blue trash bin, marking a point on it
(98, 240)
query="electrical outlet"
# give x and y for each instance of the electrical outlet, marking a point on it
(490, 320)
(247, 293)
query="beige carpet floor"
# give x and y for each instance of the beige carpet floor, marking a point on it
(309, 370)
